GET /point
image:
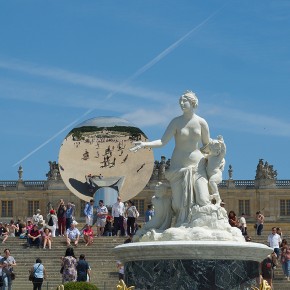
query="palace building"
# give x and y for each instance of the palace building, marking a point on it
(21, 198)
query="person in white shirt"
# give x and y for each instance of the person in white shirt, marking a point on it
(72, 235)
(102, 213)
(118, 212)
(274, 241)
(243, 225)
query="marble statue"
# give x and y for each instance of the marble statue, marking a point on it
(189, 176)
(162, 211)
(265, 171)
(215, 166)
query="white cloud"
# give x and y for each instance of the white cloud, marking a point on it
(152, 117)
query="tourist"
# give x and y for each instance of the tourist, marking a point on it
(46, 237)
(83, 269)
(233, 220)
(29, 226)
(34, 237)
(88, 235)
(89, 212)
(279, 232)
(118, 212)
(259, 222)
(61, 209)
(267, 268)
(7, 263)
(52, 222)
(189, 131)
(12, 228)
(149, 213)
(69, 213)
(120, 268)
(101, 213)
(243, 225)
(72, 235)
(285, 258)
(37, 219)
(131, 213)
(68, 266)
(129, 239)
(3, 233)
(108, 229)
(39, 273)
(274, 241)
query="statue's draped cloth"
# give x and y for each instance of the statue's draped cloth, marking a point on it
(185, 191)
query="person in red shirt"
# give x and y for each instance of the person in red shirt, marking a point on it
(34, 237)
(88, 235)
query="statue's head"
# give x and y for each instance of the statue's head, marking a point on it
(191, 97)
(215, 147)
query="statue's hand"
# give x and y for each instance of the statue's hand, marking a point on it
(138, 145)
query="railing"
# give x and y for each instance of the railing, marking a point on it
(34, 183)
(283, 183)
(223, 184)
(244, 183)
(7, 183)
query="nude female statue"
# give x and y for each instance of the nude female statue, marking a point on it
(187, 173)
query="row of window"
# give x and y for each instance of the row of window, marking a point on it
(33, 205)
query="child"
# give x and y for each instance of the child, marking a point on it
(215, 166)
(46, 236)
(120, 268)
(108, 229)
(88, 235)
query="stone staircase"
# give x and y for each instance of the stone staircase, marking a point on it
(279, 281)
(99, 255)
(104, 273)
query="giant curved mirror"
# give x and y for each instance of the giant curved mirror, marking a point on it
(95, 161)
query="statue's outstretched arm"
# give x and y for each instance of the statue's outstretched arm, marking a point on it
(169, 132)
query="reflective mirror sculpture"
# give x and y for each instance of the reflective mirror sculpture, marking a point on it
(95, 161)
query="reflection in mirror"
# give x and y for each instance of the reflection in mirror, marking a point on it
(95, 160)
(106, 193)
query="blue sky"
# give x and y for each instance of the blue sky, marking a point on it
(62, 62)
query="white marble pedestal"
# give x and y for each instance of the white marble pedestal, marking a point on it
(196, 265)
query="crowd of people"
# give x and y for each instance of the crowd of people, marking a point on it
(40, 232)
(120, 221)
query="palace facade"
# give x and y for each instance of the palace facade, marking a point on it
(21, 198)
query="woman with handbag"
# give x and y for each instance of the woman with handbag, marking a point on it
(7, 263)
(285, 259)
(37, 274)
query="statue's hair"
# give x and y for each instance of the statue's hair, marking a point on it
(191, 96)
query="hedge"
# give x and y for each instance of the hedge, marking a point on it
(79, 286)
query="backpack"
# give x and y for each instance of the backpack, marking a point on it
(136, 213)
(50, 222)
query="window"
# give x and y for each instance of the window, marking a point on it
(244, 207)
(83, 204)
(7, 208)
(33, 205)
(285, 207)
(139, 203)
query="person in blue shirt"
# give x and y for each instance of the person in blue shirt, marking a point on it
(89, 212)
(70, 208)
(39, 274)
(149, 213)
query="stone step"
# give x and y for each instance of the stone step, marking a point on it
(99, 255)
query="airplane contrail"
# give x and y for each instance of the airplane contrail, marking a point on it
(139, 72)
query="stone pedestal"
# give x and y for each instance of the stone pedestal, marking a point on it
(193, 265)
